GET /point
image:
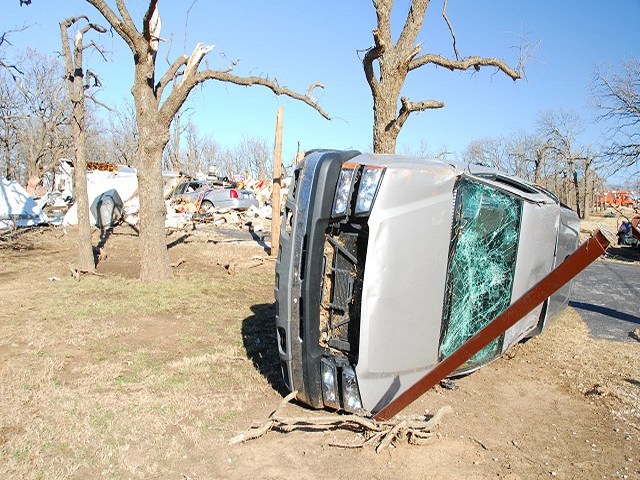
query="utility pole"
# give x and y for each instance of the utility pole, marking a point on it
(277, 178)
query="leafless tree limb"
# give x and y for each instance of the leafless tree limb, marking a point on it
(192, 77)
(126, 17)
(415, 429)
(453, 35)
(253, 80)
(412, 25)
(312, 88)
(9, 67)
(408, 107)
(465, 64)
(126, 29)
(170, 74)
(396, 60)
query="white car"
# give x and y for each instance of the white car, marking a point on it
(388, 264)
(214, 197)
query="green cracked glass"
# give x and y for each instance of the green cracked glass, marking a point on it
(482, 260)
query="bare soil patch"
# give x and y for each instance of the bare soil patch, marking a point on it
(107, 377)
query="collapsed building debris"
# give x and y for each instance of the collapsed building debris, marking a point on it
(113, 197)
(18, 208)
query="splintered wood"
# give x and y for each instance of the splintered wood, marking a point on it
(416, 430)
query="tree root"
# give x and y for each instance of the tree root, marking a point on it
(416, 430)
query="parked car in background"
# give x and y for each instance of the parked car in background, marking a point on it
(212, 197)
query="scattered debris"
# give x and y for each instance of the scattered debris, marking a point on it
(596, 391)
(18, 208)
(178, 263)
(113, 197)
(415, 430)
(449, 384)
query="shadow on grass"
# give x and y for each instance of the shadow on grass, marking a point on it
(178, 241)
(260, 240)
(105, 233)
(260, 343)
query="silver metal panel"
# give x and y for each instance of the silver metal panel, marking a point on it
(409, 232)
(534, 261)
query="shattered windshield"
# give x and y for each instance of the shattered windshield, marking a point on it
(482, 259)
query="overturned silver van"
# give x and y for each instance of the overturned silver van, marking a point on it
(387, 264)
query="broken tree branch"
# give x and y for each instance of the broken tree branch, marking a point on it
(465, 64)
(453, 35)
(415, 429)
(409, 106)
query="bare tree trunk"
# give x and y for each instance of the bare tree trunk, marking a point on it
(86, 261)
(576, 186)
(385, 132)
(154, 136)
(586, 198)
(76, 84)
(154, 113)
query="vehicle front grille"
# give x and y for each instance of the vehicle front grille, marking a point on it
(344, 257)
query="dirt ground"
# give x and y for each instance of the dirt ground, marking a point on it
(110, 378)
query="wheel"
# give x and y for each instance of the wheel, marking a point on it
(206, 207)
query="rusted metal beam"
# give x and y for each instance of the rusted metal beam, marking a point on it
(574, 264)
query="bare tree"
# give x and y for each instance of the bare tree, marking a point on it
(11, 113)
(490, 152)
(78, 82)
(551, 157)
(617, 95)
(395, 61)
(561, 128)
(5, 64)
(44, 132)
(124, 135)
(201, 150)
(155, 109)
(255, 157)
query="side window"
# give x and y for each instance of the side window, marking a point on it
(481, 266)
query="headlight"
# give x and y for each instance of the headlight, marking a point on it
(329, 384)
(369, 183)
(343, 191)
(350, 390)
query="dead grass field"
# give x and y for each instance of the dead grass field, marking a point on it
(110, 378)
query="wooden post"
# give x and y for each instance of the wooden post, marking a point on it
(277, 178)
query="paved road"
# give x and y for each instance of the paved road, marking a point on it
(607, 296)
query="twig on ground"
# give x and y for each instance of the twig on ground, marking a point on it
(178, 263)
(417, 430)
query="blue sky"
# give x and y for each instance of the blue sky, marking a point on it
(300, 42)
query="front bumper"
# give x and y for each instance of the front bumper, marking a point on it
(299, 272)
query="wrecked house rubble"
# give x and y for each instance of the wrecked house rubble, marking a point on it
(113, 198)
(18, 208)
(389, 264)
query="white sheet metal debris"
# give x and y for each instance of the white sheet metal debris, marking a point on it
(18, 208)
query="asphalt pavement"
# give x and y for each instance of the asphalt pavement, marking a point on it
(607, 296)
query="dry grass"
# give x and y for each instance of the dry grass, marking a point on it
(109, 377)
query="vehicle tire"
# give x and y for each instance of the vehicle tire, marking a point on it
(206, 207)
